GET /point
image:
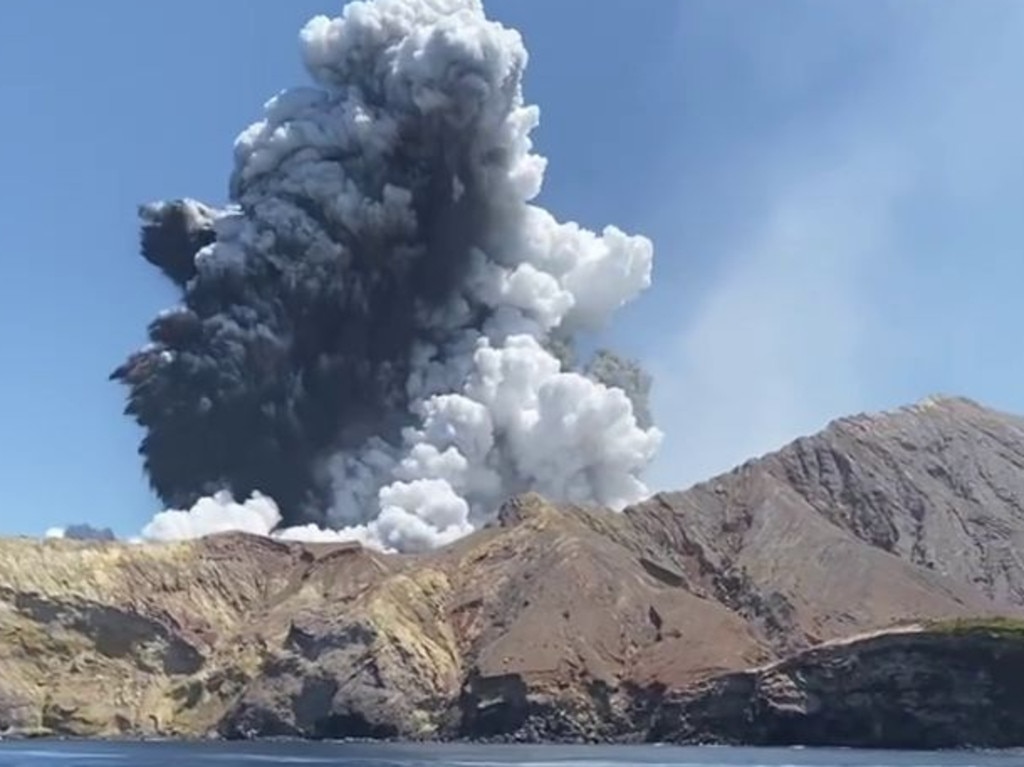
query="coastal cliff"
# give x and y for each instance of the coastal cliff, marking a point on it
(722, 613)
(944, 686)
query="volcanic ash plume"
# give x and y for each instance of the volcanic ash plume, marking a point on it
(376, 335)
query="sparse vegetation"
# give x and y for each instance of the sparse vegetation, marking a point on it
(1001, 625)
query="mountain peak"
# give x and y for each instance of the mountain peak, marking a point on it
(930, 405)
(937, 485)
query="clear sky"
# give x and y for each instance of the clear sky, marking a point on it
(833, 190)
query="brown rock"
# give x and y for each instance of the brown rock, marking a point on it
(554, 622)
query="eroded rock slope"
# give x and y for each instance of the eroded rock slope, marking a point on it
(552, 623)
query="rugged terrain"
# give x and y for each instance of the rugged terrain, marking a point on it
(946, 685)
(687, 617)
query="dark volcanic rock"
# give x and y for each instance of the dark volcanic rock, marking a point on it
(930, 689)
(335, 681)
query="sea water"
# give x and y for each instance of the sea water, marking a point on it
(78, 754)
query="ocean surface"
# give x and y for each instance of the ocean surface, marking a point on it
(46, 754)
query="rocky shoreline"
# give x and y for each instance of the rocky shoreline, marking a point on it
(952, 685)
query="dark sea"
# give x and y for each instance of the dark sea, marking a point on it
(43, 754)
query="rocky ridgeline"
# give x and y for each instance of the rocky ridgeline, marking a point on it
(723, 613)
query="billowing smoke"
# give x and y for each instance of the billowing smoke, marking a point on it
(377, 334)
(81, 532)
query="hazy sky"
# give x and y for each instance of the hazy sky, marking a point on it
(833, 190)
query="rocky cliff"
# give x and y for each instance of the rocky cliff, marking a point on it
(941, 686)
(555, 622)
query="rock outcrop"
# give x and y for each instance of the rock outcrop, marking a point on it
(923, 688)
(555, 622)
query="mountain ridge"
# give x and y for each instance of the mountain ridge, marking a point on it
(553, 622)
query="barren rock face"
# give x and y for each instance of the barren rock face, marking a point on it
(940, 485)
(553, 623)
(937, 688)
(877, 519)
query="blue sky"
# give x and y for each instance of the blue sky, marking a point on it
(833, 189)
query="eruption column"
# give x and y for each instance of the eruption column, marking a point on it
(376, 335)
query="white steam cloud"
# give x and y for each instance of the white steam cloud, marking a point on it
(494, 409)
